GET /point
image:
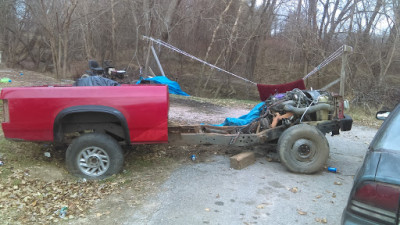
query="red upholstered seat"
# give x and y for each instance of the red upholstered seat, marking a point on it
(266, 90)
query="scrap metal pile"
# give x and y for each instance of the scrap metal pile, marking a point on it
(291, 108)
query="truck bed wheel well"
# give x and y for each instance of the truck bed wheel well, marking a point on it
(99, 121)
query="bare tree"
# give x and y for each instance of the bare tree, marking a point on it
(56, 26)
(168, 21)
(389, 51)
(220, 21)
(265, 17)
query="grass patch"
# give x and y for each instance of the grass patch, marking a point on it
(365, 117)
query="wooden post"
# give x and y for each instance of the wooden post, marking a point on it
(346, 51)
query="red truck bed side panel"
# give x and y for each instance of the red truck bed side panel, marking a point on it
(32, 110)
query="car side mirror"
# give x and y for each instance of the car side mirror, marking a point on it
(382, 115)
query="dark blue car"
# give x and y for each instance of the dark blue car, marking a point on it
(374, 198)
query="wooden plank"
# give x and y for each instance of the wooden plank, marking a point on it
(242, 160)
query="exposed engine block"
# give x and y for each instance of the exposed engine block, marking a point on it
(293, 107)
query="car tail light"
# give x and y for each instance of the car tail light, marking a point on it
(376, 201)
(6, 115)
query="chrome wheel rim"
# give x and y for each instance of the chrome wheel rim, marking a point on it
(93, 161)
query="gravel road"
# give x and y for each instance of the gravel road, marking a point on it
(210, 192)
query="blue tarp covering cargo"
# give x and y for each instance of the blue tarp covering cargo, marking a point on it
(245, 119)
(173, 86)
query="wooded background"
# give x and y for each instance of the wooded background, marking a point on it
(265, 41)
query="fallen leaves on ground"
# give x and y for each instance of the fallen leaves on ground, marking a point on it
(338, 183)
(261, 206)
(300, 212)
(37, 201)
(294, 189)
(321, 220)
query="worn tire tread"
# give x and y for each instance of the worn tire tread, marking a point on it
(106, 142)
(303, 131)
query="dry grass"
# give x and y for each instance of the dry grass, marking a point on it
(364, 117)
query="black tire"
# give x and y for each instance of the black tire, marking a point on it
(303, 149)
(94, 156)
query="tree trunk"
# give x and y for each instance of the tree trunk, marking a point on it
(65, 54)
(251, 59)
(172, 7)
(392, 43)
(113, 28)
(147, 26)
(228, 50)
(220, 20)
(254, 42)
(59, 56)
(367, 30)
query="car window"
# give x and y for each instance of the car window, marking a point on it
(389, 137)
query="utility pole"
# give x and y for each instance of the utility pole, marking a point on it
(346, 51)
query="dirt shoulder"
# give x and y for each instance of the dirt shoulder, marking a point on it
(29, 78)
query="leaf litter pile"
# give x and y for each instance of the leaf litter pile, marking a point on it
(36, 193)
(38, 201)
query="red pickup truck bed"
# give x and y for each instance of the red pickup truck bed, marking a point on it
(45, 113)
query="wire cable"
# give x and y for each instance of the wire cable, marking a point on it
(160, 42)
(328, 60)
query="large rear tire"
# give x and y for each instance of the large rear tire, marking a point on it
(303, 149)
(94, 156)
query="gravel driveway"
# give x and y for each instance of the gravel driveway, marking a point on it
(210, 192)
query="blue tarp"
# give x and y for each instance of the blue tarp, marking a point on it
(245, 119)
(173, 86)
